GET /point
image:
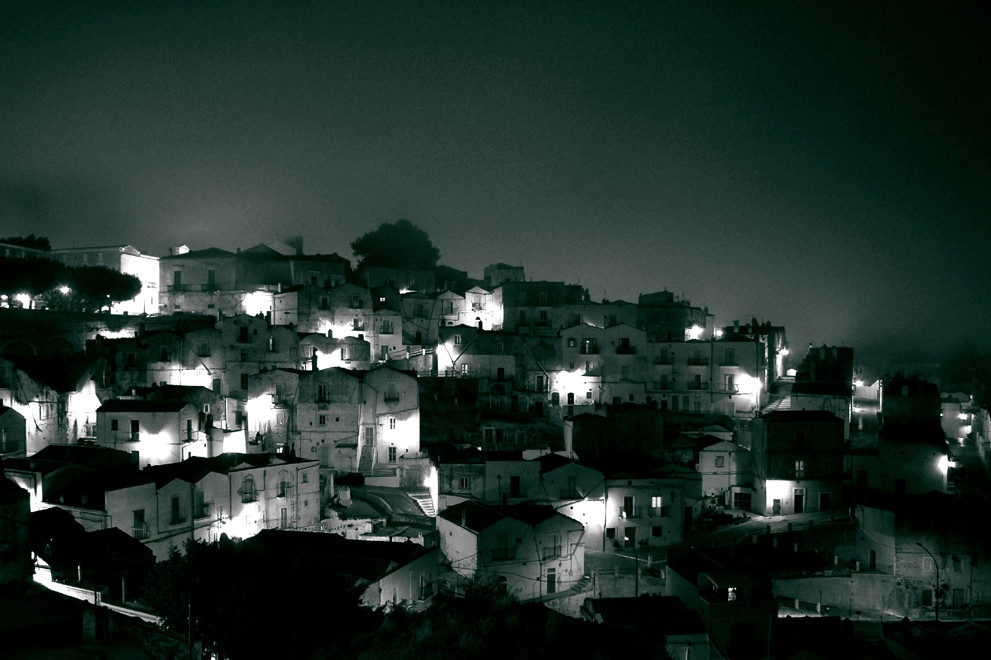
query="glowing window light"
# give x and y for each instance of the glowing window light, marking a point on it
(64, 290)
(943, 464)
(718, 332)
(24, 299)
(695, 332)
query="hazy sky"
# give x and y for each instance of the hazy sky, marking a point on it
(822, 165)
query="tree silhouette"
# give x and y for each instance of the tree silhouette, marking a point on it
(33, 242)
(400, 244)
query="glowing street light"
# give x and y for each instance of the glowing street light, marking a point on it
(64, 290)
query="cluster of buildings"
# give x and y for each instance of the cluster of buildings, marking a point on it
(267, 390)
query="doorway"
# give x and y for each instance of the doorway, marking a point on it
(799, 500)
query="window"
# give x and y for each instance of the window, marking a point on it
(800, 439)
(543, 317)
(542, 298)
(324, 302)
(729, 357)
(248, 492)
(588, 395)
(242, 335)
(731, 382)
(392, 454)
(392, 423)
(958, 598)
(139, 529)
(656, 505)
(386, 328)
(321, 420)
(344, 354)
(719, 461)
(514, 486)
(283, 483)
(391, 393)
(135, 429)
(323, 393)
(176, 513)
(521, 297)
(799, 469)
(114, 424)
(457, 339)
(244, 356)
(628, 506)
(284, 519)
(355, 301)
(610, 532)
(572, 342)
(656, 531)
(448, 307)
(163, 354)
(956, 564)
(552, 546)
(271, 345)
(465, 483)
(244, 381)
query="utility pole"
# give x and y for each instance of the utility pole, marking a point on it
(936, 564)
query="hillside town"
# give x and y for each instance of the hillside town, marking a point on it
(418, 431)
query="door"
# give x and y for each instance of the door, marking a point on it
(551, 580)
(776, 508)
(824, 502)
(799, 500)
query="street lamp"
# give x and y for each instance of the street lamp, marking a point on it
(936, 564)
(636, 569)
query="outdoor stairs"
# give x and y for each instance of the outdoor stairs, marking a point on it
(581, 585)
(781, 399)
(366, 463)
(425, 502)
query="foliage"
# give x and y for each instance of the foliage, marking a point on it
(245, 605)
(32, 242)
(489, 624)
(91, 287)
(401, 245)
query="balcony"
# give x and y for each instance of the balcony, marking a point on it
(552, 552)
(698, 361)
(664, 359)
(140, 532)
(391, 397)
(698, 386)
(589, 350)
(729, 362)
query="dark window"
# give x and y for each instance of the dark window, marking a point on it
(656, 531)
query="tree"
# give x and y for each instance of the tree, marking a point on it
(33, 242)
(400, 244)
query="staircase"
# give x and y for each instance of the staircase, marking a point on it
(425, 502)
(581, 585)
(366, 464)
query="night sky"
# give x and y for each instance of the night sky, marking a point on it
(821, 165)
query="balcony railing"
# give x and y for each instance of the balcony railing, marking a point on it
(140, 532)
(729, 362)
(203, 511)
(698, 386)
(550, 552)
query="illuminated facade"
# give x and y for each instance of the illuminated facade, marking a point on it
(13, 433)
(156, 432)
(798, 462)
(648, 506)
(124, 259)
(536, 308)
(727, 474)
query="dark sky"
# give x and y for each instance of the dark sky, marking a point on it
(822, 165)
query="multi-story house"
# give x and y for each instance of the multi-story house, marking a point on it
(912, 452)
(156, 432)
(824, 381)
(349, 421)
(577, 491)
(466, 352)
(723, 377)
(318, 351)
(798, 460)
(605, 314)
(421, 319)
(250, 344)
(57, 396)
(934, 548)
(616, 354)
(493, 477)
(496, 274)
(528, 550)
(727, 475)
(537, 308)
(124, 259)
(402, 279)
(242, 283)
(648, 504)
(200, 498)
(665, 318)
